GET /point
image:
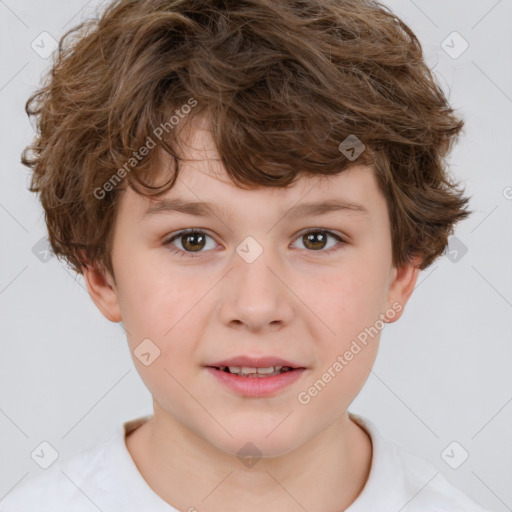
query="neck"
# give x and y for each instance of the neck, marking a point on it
(189, 473)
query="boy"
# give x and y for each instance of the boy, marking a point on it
(300, 147)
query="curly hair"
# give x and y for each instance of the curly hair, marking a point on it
(281, 83)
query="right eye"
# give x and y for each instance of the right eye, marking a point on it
(191, 240)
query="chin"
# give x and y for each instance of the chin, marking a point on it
(251, 438)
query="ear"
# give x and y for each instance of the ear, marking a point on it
(103, 291)
(401, 285)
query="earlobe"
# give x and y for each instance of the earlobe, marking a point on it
(401, 287)
(103, 292)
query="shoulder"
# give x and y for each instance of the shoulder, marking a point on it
(103, 477)
(61, 486)
(428, 488)
(403, 481)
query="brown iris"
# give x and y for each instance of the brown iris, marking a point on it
(194, 242)
(317, 239)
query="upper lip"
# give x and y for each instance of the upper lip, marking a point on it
(255, 362)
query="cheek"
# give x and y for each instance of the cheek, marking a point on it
(171, 311)
(332, 388)
(350, 306)
(348, 301)
(170, 321)
(157, 299)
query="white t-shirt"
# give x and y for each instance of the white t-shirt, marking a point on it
(106, 478)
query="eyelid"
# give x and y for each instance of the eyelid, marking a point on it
(342, 240)
(333, 232)
(168, 241)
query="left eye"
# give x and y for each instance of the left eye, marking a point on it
(317, 239)
(194, 240)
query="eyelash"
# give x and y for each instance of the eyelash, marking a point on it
(188, 254)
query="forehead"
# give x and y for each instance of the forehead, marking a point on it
(203, 187)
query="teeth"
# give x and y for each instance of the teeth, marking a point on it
(270, 369)
(247, 370)
(253, 372)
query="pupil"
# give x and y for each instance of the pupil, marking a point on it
(310, 238)
(195, 237)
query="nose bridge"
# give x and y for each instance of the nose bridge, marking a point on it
(254, 273)
(255, 297)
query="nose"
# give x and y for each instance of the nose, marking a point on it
(255, 297)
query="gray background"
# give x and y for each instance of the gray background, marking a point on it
(443, 371)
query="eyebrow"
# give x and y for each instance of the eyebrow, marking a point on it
(204, 209)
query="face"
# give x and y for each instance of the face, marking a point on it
(311, 288)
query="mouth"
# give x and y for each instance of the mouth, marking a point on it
(255, 377)
(254, 372)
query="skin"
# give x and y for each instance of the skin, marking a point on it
(293, 302)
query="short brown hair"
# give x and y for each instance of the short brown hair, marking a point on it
(281, 82)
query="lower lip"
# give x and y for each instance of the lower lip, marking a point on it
(256, 386)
